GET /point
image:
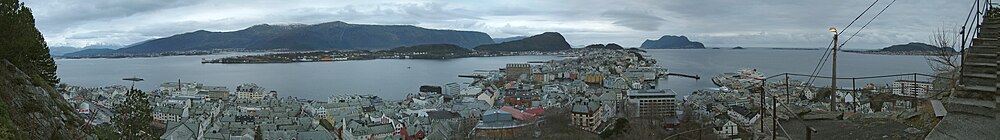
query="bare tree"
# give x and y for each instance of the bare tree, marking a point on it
(944, 61)
(944, 58)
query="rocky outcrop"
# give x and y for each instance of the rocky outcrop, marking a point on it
(29, 111)
(672, 42)
(548, 41)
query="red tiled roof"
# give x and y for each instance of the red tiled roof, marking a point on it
(536, 111)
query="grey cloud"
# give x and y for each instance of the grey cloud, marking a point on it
(636, 20)
(723, 23)
(60, 14)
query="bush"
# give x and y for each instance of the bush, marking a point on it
(621, 126)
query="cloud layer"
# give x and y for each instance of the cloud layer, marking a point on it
(717, 23)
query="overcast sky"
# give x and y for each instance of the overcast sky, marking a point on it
(716, 23)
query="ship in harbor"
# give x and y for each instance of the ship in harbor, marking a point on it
(739, 79)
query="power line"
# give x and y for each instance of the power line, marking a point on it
(859, 15)
(819, 65)
(866, 24)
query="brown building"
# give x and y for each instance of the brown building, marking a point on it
(514, 71)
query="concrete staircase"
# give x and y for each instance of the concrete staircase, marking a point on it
(980, 71)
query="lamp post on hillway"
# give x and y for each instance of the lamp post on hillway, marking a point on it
(833, 84)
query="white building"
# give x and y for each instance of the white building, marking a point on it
(451, 89)
(727, 130)
(251, 91)
(911, 88)
(653, 102)
(743, 115)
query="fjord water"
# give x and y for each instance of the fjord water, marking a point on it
(387, 78)
(394, 78)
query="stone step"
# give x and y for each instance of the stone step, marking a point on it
(985, 41)
(981, 61)
(991, 25)
(973, 70)
(971, 63)
(978, 81)
(984, 46)
(968, 86)
(981, 75)
(987, 30)
(971, 106)
(980, 54)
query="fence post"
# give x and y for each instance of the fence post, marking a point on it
(788, 89)
(854, 93)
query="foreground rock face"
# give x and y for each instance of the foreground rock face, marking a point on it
(33, 112)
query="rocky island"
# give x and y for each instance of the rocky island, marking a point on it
(672, 42)
(913, 48)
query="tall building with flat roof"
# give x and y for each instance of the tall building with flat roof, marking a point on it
(652, 102)
(515, 70)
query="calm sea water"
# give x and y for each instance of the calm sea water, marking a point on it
(394, 78)
(387, 78)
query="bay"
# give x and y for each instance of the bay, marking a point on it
(387, 78)
(394, 78)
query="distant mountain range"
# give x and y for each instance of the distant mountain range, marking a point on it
(325, 36)
(915, 46)
(90, 52)
(61, 50)
(548, 41)
(433, 48)
(671, 42)
(508, 39)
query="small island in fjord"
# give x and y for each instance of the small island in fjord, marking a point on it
(912, 48)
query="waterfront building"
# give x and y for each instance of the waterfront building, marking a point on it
(251, 91)
(910, 88)
(217, 92)
(429, 89)
(451, 89)
(652, 102)
(514, 71)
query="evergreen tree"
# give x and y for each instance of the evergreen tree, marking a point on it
(132, 116)
(23, 45)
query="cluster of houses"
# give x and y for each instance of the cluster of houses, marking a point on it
(737, 104)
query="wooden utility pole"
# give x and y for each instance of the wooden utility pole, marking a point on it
(833, 83)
